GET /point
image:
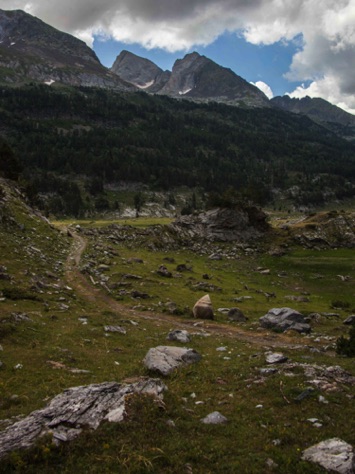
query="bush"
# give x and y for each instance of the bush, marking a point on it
(346, 346)
(16, 294)
(339, 304)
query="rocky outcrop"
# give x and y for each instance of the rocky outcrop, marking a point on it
(223, 224)
(334, 455)
(76, 408)
(328, 229)
(283, 319)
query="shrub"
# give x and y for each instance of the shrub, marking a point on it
(339, 304)
(346, 346)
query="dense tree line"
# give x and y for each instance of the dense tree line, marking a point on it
(164, 142)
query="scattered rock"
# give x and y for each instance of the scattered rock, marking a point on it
(203, 308)
(179, 335)
(139, 295)
(268, 370)
(165, 359)
(331, 315)
(328, 379)
(271, 464)
(135, 260)
(240, 299)
(214, 418)
(277, 252)
(172, 308)
(130, 276)
(203, 286)
(20, 317)
(283, 319)
(118, 329)
(275, 358)
(182, 267)
(350, 319)
(103, 267)
(237, 315)
(306, 393)
(65, 416)
(215, 256)
(298, 299)
(263, 271)
(333, 454)
(164, 272)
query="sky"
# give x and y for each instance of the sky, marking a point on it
(294, 47)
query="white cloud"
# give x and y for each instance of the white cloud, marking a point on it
(264, 88)
(326, 57)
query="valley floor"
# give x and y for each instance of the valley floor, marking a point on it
(71, 287)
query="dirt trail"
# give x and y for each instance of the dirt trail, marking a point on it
(97, 295)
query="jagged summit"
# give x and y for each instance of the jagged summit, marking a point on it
(32, 50)
(140, 72)
(194, 76)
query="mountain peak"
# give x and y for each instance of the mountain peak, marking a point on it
(199, 78)
(194, 76)
(140, 72)
(33, 50)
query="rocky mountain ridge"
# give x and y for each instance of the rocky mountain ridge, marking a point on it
(319, 110)
(32, 50)
(194, 77)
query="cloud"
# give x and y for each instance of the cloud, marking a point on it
(325, 57)
(264, 88)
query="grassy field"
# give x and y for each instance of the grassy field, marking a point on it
(267, 427)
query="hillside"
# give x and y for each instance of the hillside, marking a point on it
(104, 138)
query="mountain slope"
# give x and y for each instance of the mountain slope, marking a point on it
(32, 50)
(320, 111)
(195, 77)
(165, 143)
